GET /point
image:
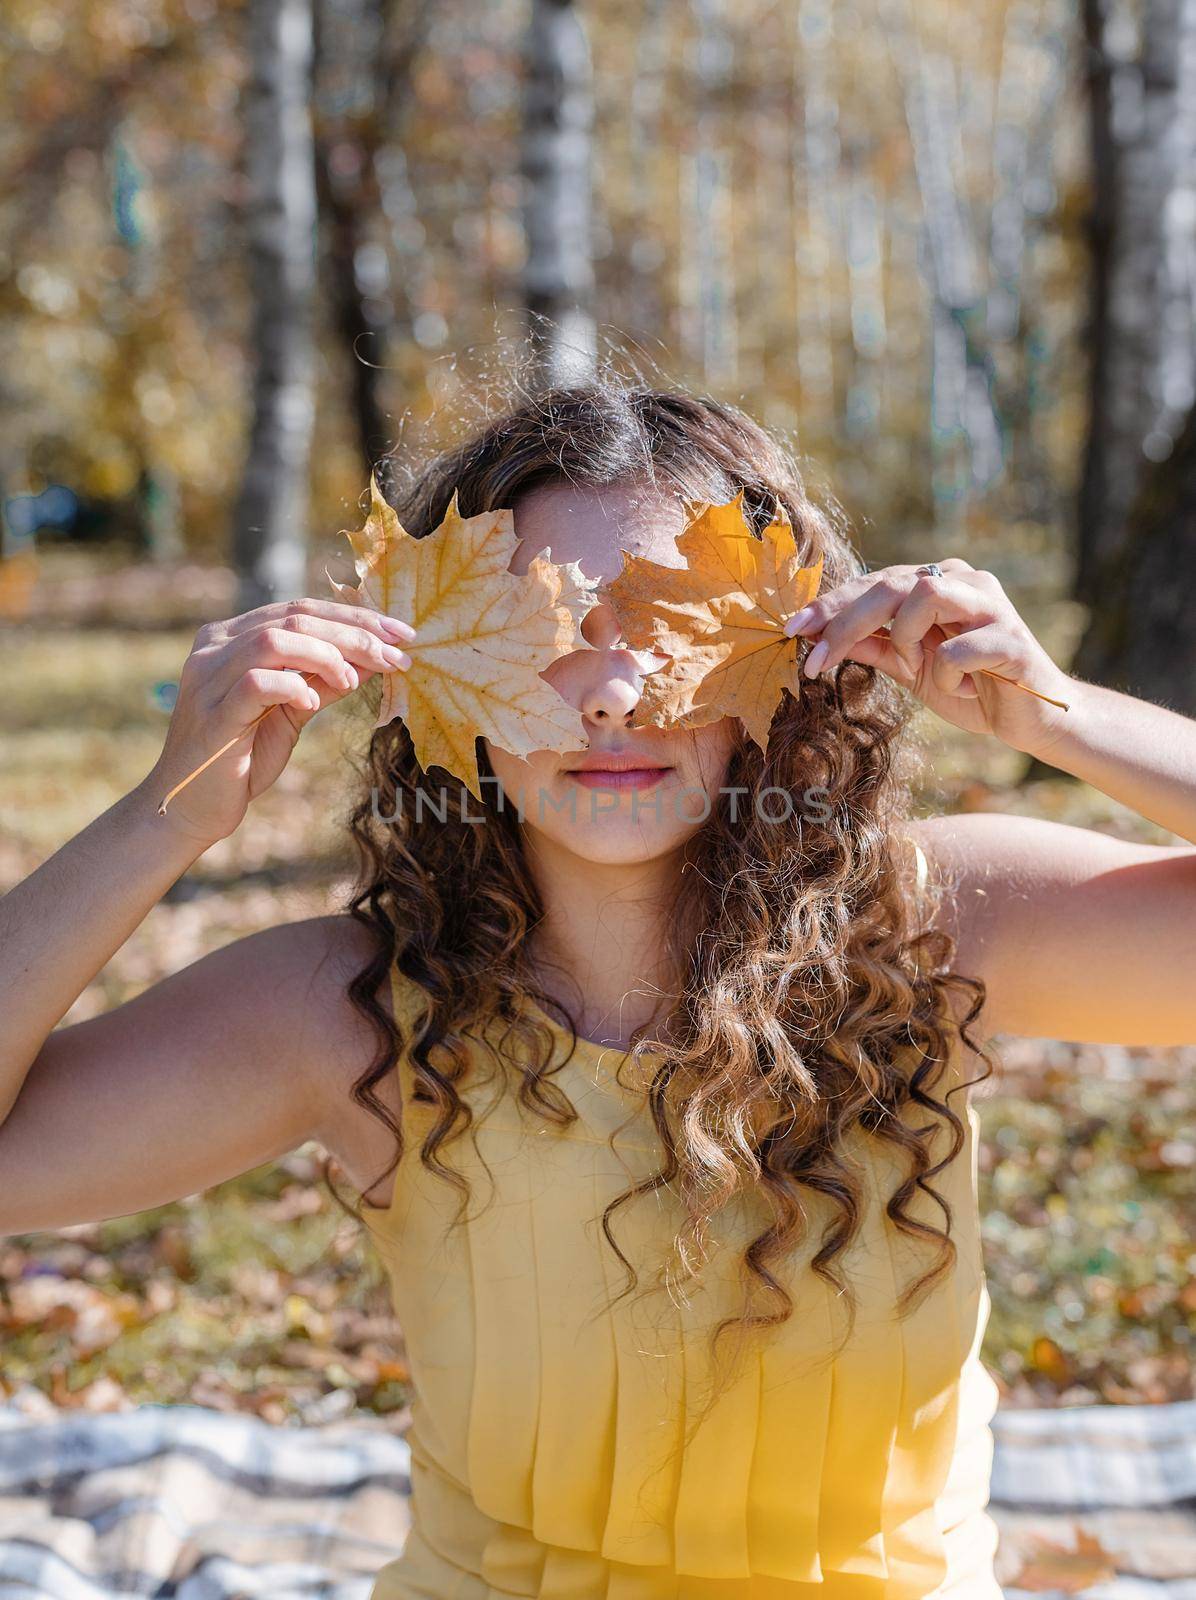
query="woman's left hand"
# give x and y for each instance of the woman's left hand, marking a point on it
(942, 631)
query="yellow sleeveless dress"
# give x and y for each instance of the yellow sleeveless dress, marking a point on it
(546, 1442)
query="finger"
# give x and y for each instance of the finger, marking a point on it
(864, 615)
(294, 647)
(850, 619)
(393, 629)
(980, 649)
(261, 687)
(876, 651)
(935, 601)
(954, 564)
(357, 644)
(281, 648)
(988, 583)
(814, 618)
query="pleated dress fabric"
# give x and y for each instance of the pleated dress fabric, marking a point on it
(548, 1446)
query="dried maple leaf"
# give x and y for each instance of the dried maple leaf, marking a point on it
(483, 636)
(1049, 1566)
(720, 619)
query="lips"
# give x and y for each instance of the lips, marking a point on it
(611, 761)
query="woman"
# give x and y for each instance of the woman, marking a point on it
(683, 1239)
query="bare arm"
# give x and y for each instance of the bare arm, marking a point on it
(1141, 754)
(236, 1059)
(1076, 935)
(64, 922)
(218, 1067)
(1079, 935)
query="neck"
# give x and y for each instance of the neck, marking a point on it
(601, 949)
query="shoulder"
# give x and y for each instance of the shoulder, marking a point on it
(333, 1042)
(280, 980)
(325, 955)
(978, 863)
(296, 975)
(1076, 933)
(306, 961)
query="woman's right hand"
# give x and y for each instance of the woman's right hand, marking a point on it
(261, 660)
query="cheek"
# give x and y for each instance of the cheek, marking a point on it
(506, 768)
(517, 777)
(702, 758)
(708, 752)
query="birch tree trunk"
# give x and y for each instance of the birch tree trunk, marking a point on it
(270, 519)
(817, 192)
(646, 251)
(375, 45)
(707, 282)
(966, 446)
(558, 118)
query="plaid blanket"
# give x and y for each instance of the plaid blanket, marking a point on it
(201, 1505)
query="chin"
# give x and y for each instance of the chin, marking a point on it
(614, 843)
(601, 825)
(636, 817)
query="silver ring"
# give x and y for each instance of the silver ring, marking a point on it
(930, 570)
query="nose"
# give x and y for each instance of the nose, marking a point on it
(611, 700)
(615, 674)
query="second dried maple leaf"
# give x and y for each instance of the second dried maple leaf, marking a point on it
(719, 619)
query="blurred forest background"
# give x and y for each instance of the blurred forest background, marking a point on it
(248, 247)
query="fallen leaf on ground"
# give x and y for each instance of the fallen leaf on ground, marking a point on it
(1052, 1566)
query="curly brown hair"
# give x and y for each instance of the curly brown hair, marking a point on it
(815, 996)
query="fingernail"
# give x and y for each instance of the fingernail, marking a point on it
(397, 629)
(393, 657)
(798, 620)
(816, 657)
